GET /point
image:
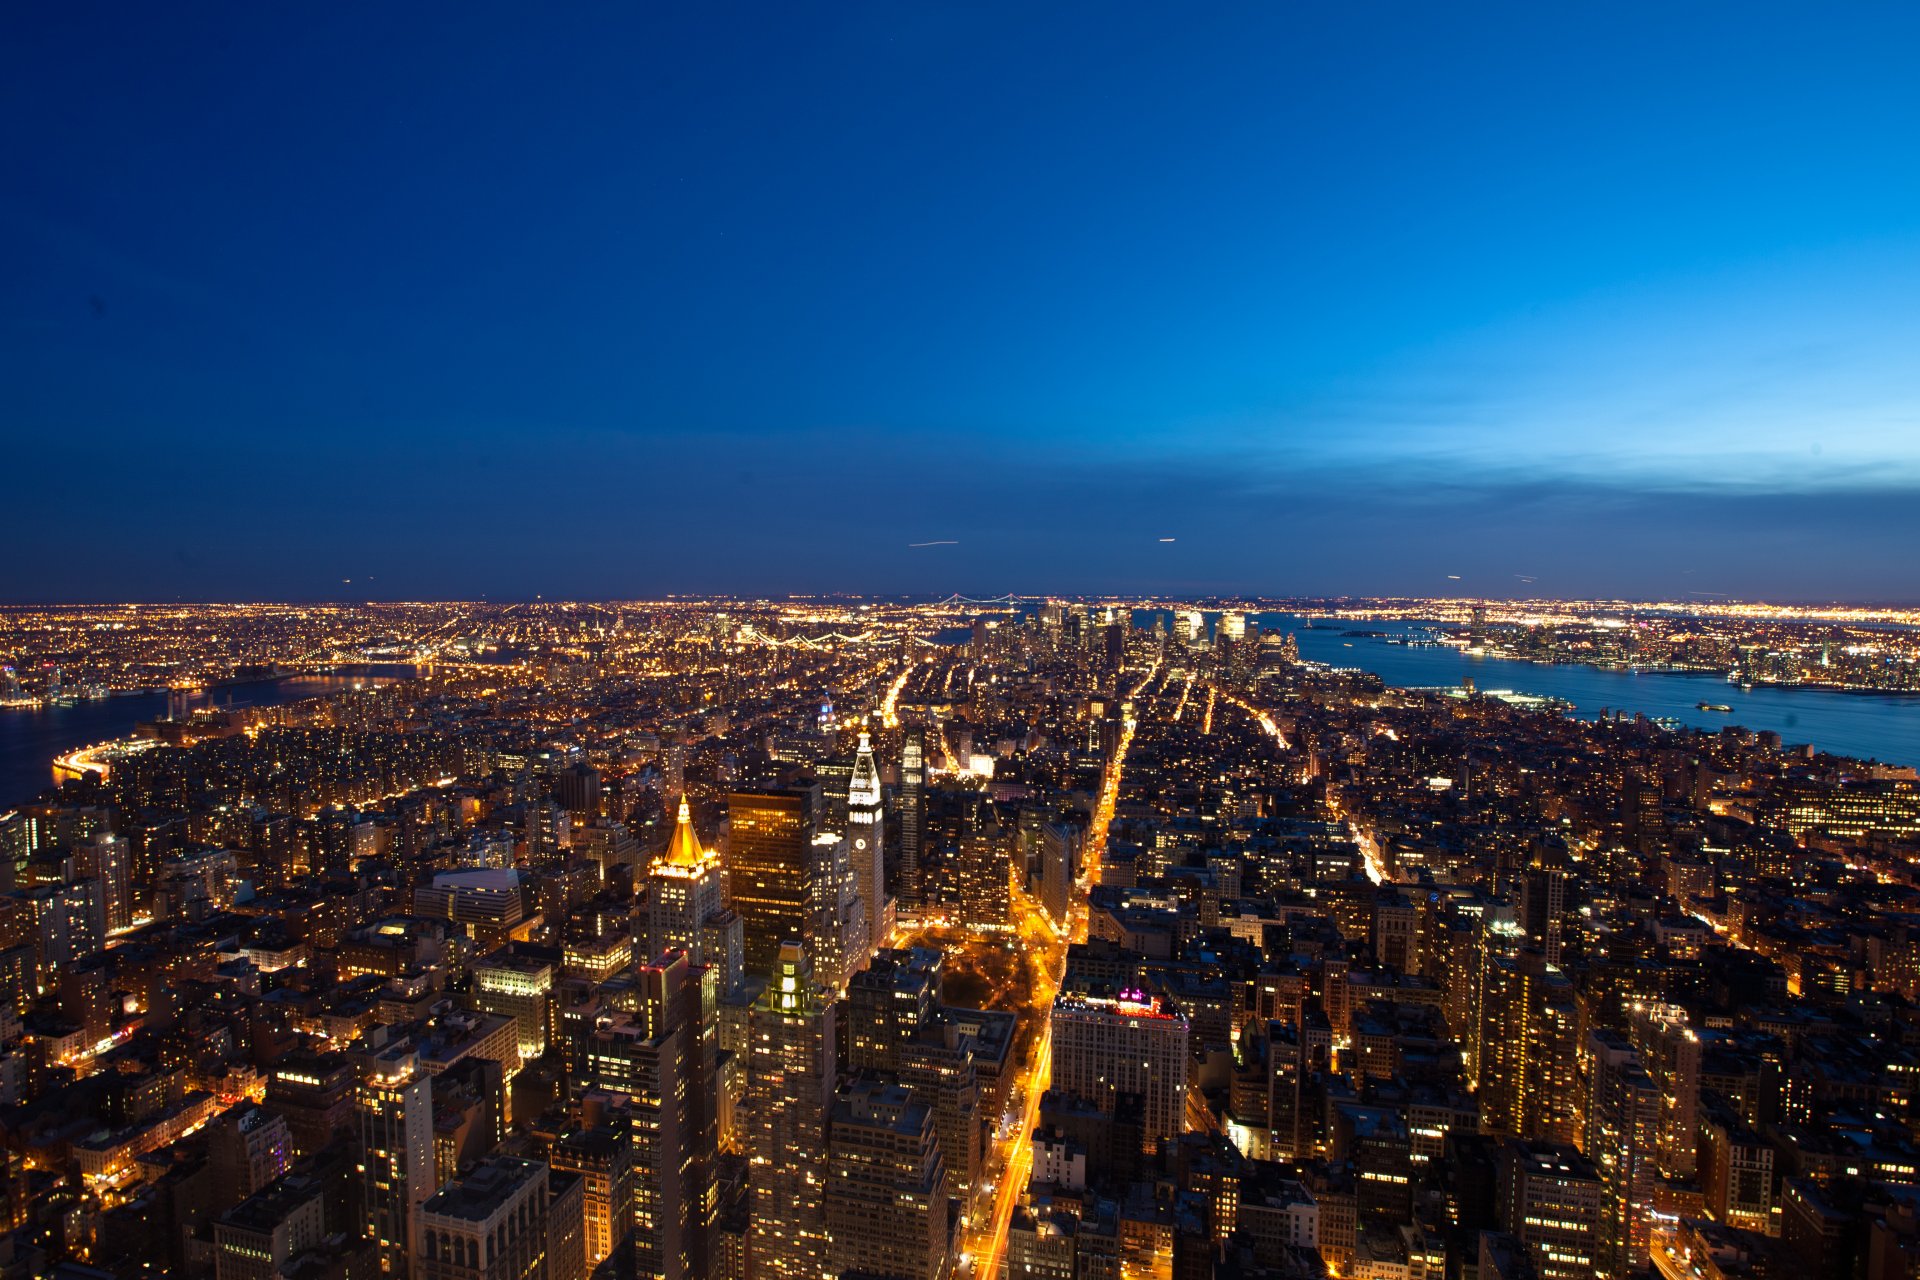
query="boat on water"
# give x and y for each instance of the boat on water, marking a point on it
(1715, 706)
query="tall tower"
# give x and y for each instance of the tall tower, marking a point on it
(657, 1060)
(789, 1100)
(394, 1103)
(770, 862)
(837, 942)
(913, 810)
(866, 845)
(686, 908)
(1622, 1130)
(887, 1198)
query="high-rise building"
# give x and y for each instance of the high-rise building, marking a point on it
(655, 1061)
(1129, 1043)
(394, 1103)
(770, 863)
(686, 906)
(673, 768)
(108, 858)
(1527, 1059)
(1548, 1196)
(837, 933)
(789, 1100)
(937, 1064)
(866, 843)
(888, 1003)
(912, 812)
(602, 1155)
(577, 788)
(886, 1185)
(983, 871)
(519, 986)
(1622, 1124)
(1670, 1051)
(1736, 1172)
(1059, 852)
(488, 1225)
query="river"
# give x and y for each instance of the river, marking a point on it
(31, 737)
(1881, 727)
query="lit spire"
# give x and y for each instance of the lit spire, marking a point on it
(863, 790)
(684, 850)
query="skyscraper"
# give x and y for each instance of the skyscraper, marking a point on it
(913, 811)
(602, 1155)
(1527, 1059)
(1129, 1043)
(394, 1105)
(686, 906)
(837, 930)
(655, 1062)
(866, 844)
(887, 1003)
(1622, 1127)
(1549, 1198)
(770, 862)
(886, 1185)
(789, 1101)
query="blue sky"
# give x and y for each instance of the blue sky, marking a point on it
(454, 300)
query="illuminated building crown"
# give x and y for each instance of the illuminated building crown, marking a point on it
(863, 789)
(685, 850)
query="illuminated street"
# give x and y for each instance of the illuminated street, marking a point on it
(1011, 1156)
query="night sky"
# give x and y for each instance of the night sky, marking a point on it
(612, 299)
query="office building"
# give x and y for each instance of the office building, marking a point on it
(686, 906)
(886, 1185)
(866, 844)
(394, 1105)
(1622, 1129)
(770, 867)
(1129, 1043)
(1549, 1197)
(491, 1224)
(912, 807)
(789, 1101)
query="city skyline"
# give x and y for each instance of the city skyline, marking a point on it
(1282, 302)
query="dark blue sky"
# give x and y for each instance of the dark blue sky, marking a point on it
(614, 299)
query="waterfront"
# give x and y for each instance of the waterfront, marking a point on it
(1871, 726)
(1884, 727)
(30, 737)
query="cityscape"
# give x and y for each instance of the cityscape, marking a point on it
(939, 940)
(960, 641)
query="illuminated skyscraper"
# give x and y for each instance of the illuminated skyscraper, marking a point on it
(770, 863)
(394, 1105)
(886, 1186)
(1670, 1051)
(1132, 1043)
(1549, 1198)
(789, 1100)
(686, 906)
(656, 1062)
(520, 987)
(888, 1003)
(1527, 1061)
(1622, 1125)
(913, 811)
(837, 933)
(866, 844)
(603, 1157)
